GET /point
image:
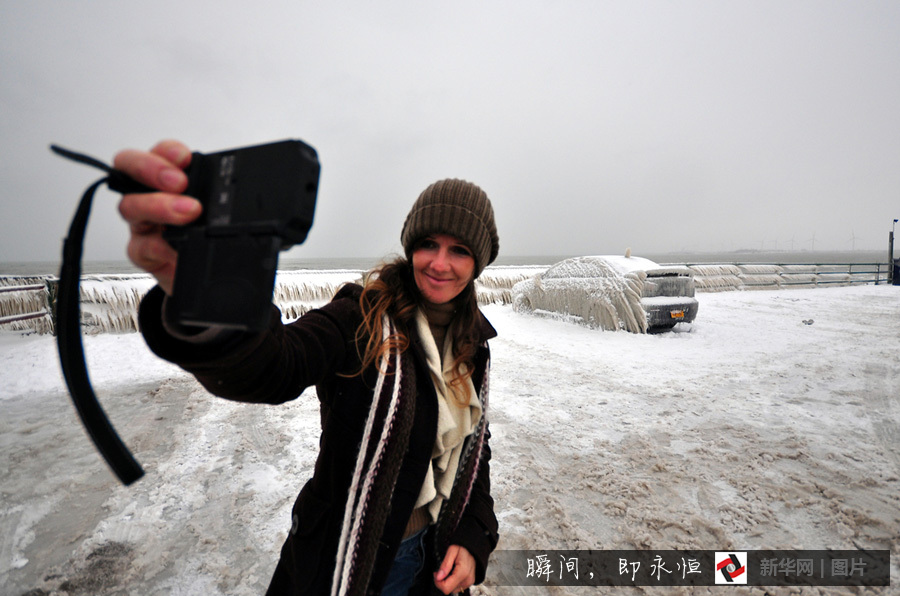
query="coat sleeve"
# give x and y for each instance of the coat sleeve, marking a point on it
(269, 367)
(478, 529)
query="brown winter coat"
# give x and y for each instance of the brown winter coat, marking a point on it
(320, 349)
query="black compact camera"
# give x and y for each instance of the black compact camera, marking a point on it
(257, 201)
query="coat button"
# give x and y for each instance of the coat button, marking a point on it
(295, 523)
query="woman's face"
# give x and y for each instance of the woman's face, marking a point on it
(442, 266)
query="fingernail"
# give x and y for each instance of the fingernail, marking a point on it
(172, 179)
(185, 205)
(179, 156)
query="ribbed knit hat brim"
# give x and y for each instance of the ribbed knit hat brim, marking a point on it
(458, 208)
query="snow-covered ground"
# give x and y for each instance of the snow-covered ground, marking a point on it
(752, 428)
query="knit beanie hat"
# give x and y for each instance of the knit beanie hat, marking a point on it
(457, 208)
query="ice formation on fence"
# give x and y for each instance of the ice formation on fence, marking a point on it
(494, 286)
(760, 277)
(17, 302)
(835, 275)
(297, 292)
(110, 301)
(24, 304)
(723, 277)
(7, 281)
(716, 277)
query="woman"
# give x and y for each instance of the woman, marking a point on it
(399, 502)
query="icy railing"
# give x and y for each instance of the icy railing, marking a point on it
(494, 285)
(110, 301)
(298, 292)
(720, 277)
(25, 303)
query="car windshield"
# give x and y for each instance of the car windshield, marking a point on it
(580, 267)
(605, 266)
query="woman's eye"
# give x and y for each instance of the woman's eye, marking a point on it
(428, 244)
(461, 250)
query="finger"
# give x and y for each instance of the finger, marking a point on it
(175, 152)
(453, 584)
(147, 215)
(153, 169)
(159, 208)
(447, 564)
(155, 256)
(150, 251)
(456, 572)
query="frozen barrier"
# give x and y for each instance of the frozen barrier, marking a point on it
(25, 303)
(760, 277)
(297, 292)
(719, 277)
(798, 276)
(24, 299)
(494, 285)
(716, 277)
(110, 301)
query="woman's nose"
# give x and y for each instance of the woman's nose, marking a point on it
(441, 260)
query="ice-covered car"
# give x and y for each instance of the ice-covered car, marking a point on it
(611, 292)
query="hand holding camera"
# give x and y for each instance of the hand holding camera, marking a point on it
(254, 202)
(148, 213)
(209, 227)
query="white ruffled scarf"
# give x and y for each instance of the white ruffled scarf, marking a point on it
(455, 423)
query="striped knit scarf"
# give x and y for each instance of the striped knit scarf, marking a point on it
(378, 465)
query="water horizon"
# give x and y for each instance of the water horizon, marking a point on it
(29, 268)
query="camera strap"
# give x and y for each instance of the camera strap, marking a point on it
(68, 325)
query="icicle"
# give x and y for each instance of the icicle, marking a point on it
(495, 284)
(717, 283)
(298, 292)
(109, 303)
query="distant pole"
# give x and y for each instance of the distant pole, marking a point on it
(891, 258)
(891, 254)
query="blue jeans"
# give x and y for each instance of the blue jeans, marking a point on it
(409, 561)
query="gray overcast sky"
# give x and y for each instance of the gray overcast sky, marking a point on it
(593, 126)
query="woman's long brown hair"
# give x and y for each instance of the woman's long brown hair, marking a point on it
(391, 289)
